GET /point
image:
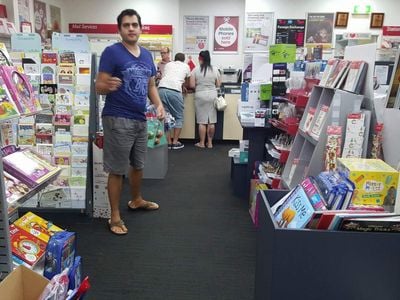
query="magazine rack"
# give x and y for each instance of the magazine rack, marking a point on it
(317, 264)
(308, 151)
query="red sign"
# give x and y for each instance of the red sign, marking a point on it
(391, 30)
(226, 33)
(113, 28)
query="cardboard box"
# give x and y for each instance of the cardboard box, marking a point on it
(22, 284)
(375, 181)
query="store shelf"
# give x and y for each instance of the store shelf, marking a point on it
(271, 179)
(278, 146)
(298, 98)
(308, 137)
(13, 207)
(288, 125)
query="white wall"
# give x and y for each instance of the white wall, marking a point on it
(12, 10)
(172, 12)
(213, 8)
(106, 11)
(285, 9)
(158, 12)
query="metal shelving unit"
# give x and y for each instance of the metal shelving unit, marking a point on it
(5, 246)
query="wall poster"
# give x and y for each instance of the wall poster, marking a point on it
(319, 29)
(40, 19)
(195, 34)
(55, 19)
(391, 37)
(24, 15)
(258, 31)
(290, 31)
(226, 33)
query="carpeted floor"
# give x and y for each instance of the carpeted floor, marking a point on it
(200, 244)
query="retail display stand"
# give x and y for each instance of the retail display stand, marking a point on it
(289, 126)
(5, 246)
(307, 151)
(5, 249)
(156, 166)
(320, 264)
(257, 137)
(307, 155)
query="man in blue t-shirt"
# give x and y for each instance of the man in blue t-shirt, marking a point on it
(126, 76)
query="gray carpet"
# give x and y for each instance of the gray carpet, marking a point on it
(200, 244)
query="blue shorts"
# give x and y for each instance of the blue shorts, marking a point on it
(125, 143)
(173, 103)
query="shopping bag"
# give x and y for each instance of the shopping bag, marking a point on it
(220, 103)
(155, 133)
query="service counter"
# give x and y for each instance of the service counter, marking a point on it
(228, 126)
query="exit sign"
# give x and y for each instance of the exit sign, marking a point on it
(362, 9)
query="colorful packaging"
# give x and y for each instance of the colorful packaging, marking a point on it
(37, 226)
(375, 181)
(60, 253)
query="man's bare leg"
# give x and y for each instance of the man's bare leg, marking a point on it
(135, 177)
(114, 188)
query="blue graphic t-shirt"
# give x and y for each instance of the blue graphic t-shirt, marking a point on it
(129, 101)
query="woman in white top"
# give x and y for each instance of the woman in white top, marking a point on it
(205, 79)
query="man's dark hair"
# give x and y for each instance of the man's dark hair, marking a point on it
(180, 57)
(128, 12)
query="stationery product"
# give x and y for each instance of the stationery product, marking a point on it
(20, 90)
(8, 109)
(319, 122)
(375, 181)
(333, 147)
(309, 119)
(37, 226)
(27, 166)
(296, 211)
(26, 246)
(60, 253)
(355, 129)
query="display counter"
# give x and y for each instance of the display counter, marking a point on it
(228, 126)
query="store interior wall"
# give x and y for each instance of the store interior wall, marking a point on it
(161, 12)
(286, 9)
(172, 12)
(12, 10)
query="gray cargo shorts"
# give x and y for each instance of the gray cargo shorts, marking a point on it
(125, 143)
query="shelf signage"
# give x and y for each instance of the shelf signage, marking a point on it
(91, 28)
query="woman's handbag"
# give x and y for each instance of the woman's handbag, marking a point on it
(220, 103)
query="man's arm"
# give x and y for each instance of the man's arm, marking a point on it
(105, 83)
(155, 98)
